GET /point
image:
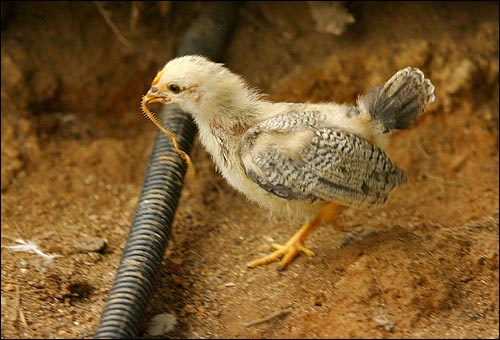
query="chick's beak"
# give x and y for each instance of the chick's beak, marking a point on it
(154, 95)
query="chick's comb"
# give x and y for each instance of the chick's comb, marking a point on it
(157, 78)
(173, 138)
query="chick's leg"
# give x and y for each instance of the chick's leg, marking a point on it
(295, 244)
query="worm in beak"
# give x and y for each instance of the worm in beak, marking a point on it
(151, 97)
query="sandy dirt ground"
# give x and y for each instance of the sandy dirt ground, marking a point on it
(74, 150)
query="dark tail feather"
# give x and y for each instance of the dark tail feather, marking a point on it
(397, 103)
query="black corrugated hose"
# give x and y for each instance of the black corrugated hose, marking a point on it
(122, 317)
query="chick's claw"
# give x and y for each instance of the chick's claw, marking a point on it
(291, 249)
(300, 247)
(289, 252)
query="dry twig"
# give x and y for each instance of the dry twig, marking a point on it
(443, 181)
(111, 24)
(23, 319)
(16, 305)
(267, 318)
(135, 13)
(17, 312)
(423, 150)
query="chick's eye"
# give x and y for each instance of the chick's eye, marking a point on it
(174, 88)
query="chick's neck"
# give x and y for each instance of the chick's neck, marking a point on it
(223, 121)
(231, 111)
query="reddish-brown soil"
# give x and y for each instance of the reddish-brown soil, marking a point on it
(75, 146)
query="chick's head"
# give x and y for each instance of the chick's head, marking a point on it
(194, 84)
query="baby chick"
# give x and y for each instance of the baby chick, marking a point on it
(306, 161)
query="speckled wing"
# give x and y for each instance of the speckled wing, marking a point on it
(290, 156)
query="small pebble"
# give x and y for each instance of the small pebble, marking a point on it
(9, 288)
(161, 324)
(90, 244)
(189, 309)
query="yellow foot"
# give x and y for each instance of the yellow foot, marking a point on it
(290, 250)
(295, 245)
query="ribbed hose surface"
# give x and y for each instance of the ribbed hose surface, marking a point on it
(122, 317)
